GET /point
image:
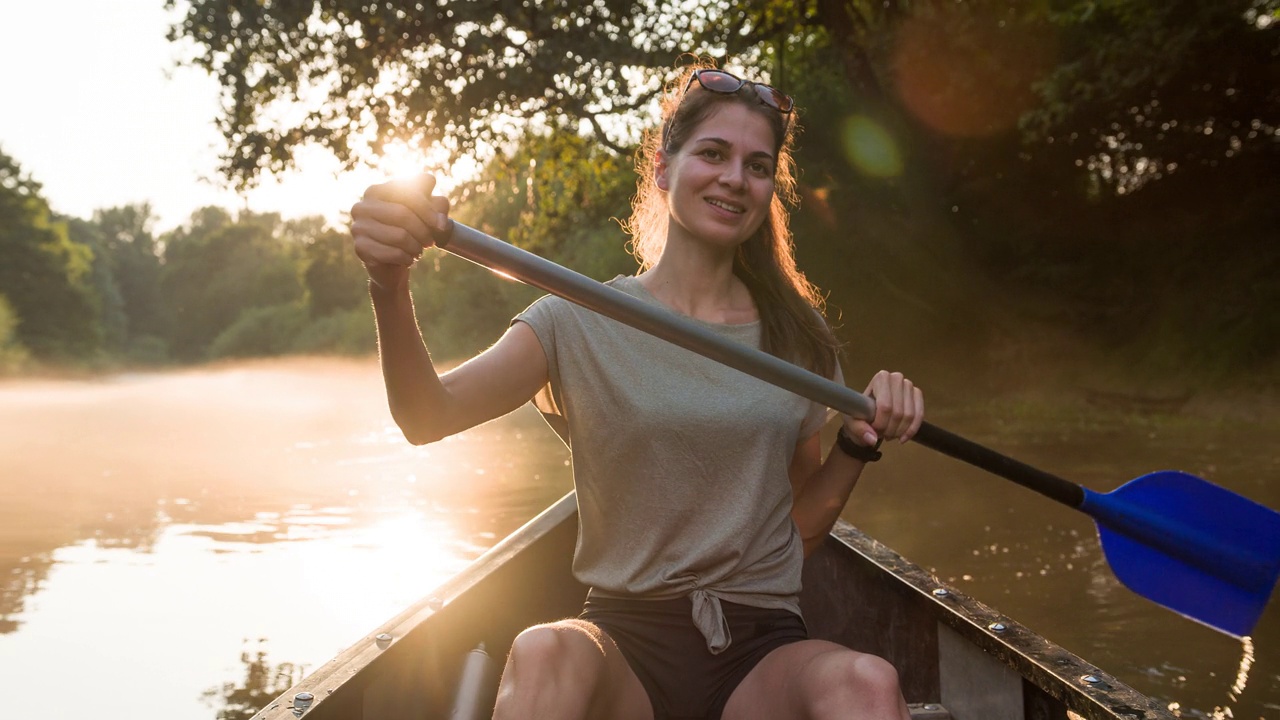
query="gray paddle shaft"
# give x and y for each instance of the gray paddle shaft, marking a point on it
(482, 249)
(473, 245)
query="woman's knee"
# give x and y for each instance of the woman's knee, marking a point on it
(843, 679)
(556, 670)
(561, 649)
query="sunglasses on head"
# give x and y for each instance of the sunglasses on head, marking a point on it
(719, 81)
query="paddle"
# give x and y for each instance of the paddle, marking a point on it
(1178, 540)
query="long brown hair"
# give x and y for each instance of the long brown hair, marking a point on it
(790, 307)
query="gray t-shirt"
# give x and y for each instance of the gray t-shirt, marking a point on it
(680, 463)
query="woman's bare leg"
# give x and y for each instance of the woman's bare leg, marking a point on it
(569, 670)
(818, 680)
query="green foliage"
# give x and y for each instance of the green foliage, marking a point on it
(346, 332)
(47, 277)
(12, 355)
(462, 307)
(133, 256)
(261, 332)
(110, 316)
(559, 195)
(217, 268)
(334, 278)
(1147, 88)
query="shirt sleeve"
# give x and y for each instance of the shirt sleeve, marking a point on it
(541, 317)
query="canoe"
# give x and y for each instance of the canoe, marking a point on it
(956, 657)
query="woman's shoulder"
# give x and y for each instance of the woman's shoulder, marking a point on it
(555, 307)
(626, 283)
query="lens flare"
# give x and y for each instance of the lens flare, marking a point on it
(871, 148)
(967, 72)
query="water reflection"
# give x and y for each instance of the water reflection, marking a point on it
(261, 684)
(261, 501)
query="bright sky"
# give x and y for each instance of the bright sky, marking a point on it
(93, 107)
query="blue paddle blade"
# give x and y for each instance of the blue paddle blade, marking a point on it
(1191, 546)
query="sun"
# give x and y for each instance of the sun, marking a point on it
(400, 161)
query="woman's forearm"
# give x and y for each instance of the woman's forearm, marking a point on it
(822, 497)
(417, 398)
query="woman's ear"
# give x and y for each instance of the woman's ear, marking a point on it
(660, 170)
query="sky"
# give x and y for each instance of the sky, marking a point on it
(95, 108)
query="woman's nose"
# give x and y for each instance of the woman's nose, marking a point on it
(732, 175)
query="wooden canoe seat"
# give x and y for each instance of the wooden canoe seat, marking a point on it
(928, 711)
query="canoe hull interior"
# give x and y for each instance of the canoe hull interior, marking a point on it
(950, 650)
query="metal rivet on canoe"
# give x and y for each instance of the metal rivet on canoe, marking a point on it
(997, 627)
(382, 640)
(932, 706)
(1091, 679)
(301, 702)
(941, 592)
(435, 603)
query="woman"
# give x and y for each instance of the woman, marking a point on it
(699, 488)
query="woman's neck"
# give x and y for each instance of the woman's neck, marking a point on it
(698, 281)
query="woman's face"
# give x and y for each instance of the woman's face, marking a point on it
(720, 183)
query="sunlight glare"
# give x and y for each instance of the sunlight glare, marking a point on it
(401, 161)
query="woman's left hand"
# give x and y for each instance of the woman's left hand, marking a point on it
(899, 410)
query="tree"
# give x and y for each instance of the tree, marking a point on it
(1147, 88)
(45, 276)
(134, 256)
(459, 73)
(559, 195)
(12, 354)
(219, 267)
(334, 278)
(110, 318)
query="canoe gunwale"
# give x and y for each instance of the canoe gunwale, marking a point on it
(1040, 662)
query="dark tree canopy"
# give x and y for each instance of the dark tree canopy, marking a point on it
(1144, 88)
(342, 73)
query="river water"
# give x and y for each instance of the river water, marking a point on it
(185, 544)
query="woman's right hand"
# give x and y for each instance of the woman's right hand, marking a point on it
(393, 223)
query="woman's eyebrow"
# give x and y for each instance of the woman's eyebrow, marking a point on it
(725, 143)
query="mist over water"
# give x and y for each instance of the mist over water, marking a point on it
(167, 538)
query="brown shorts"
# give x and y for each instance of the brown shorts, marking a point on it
(669, 655)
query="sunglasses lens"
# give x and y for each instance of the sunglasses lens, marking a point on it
(775, 98)
(717, 81)
(722, 82)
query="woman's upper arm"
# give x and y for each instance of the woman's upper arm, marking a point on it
(498, 380)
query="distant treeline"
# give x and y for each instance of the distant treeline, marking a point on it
(108, 291)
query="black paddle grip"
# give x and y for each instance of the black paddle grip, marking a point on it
(1047, 484)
